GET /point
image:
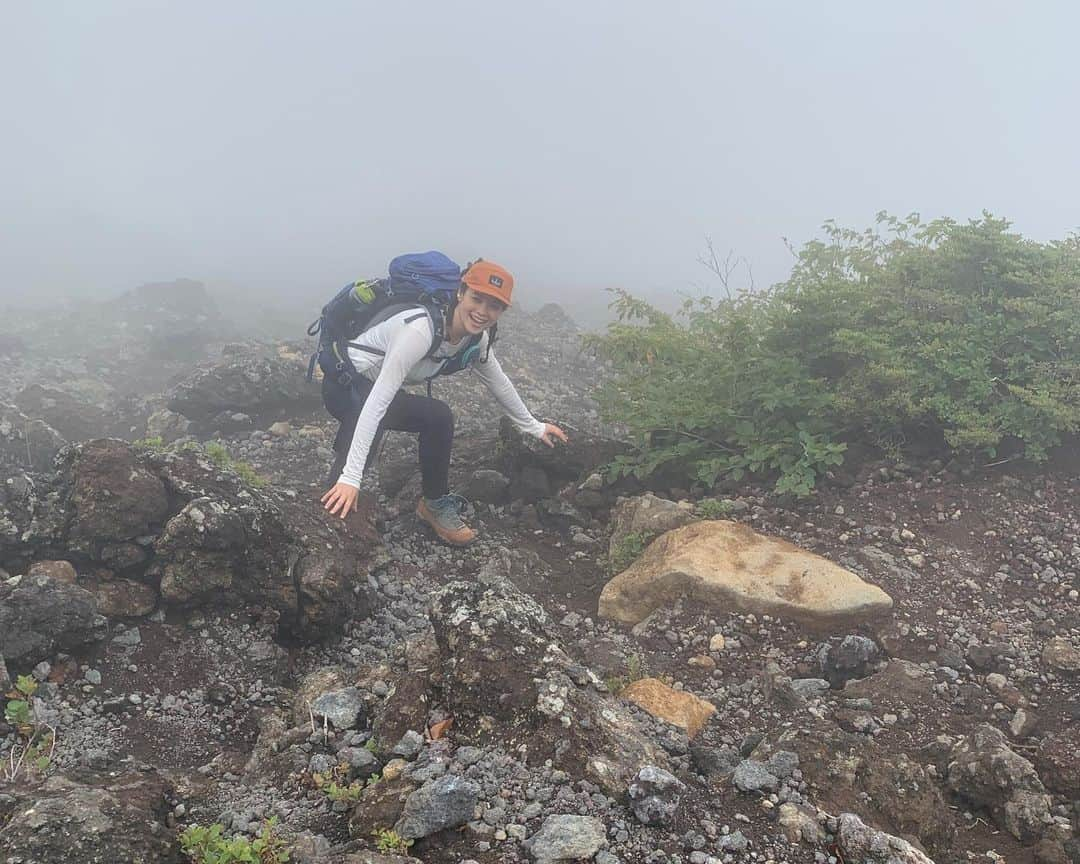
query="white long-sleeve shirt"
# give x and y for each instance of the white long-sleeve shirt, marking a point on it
(397, 356)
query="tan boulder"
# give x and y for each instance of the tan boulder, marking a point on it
(122, 598)
(677, 707)
(728, 566)
(61, 571)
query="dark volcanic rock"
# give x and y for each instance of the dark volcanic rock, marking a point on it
(853, 657)
(536, 471)
(229, 545)
(894, 791)
(113, 496)
(40, 615)
(103, 820)
(75, 417)
(178, 521)
(259, 384)
(437, 805)
(500, 660)
(1058, 761)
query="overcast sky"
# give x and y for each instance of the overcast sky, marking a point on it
(581, 144)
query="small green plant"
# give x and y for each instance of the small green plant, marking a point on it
(348, 794)
(35, 742)
(221, 458)
(627, 551)
(17, 711)
(714, 508)
(218, 454)
(633, 670)
(371, 746)
(209, 845)
(388, 841)
(155, 442)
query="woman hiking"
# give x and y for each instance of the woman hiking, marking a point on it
(402, 349)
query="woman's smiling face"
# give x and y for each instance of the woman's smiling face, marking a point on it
(476, 312)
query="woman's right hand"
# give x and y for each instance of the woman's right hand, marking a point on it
(341, 499)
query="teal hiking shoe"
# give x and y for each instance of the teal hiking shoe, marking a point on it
(444, 516)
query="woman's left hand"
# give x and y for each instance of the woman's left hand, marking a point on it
(342, 498)
(551, 433)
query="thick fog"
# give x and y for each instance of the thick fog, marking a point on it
(286, 148)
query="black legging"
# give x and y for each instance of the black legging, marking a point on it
(422, 415)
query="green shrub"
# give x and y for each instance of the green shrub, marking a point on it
(964, 336)
(208, 845)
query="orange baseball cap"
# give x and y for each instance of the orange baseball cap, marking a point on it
(489, 278)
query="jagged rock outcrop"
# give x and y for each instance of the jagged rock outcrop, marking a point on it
(40, 614)
(248, 385)
(501, 663)
(197, 533)
(984, 770)
(76, 412)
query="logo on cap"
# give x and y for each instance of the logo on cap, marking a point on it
(495, 280)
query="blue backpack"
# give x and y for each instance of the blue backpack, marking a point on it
(425, 281)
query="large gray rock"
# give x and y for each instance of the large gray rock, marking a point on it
(26, 442)
(262, 383)
(343, 708)
(655, 795)
(487, 486)
(444, 803)
(985, 771)
(646, 516)
(40, 615)
(852, 657)
(752, 776)
(76, 412)
(564, 838)
(859, 842)
(102, 821)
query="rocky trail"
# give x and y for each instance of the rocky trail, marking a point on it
(196, 642)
